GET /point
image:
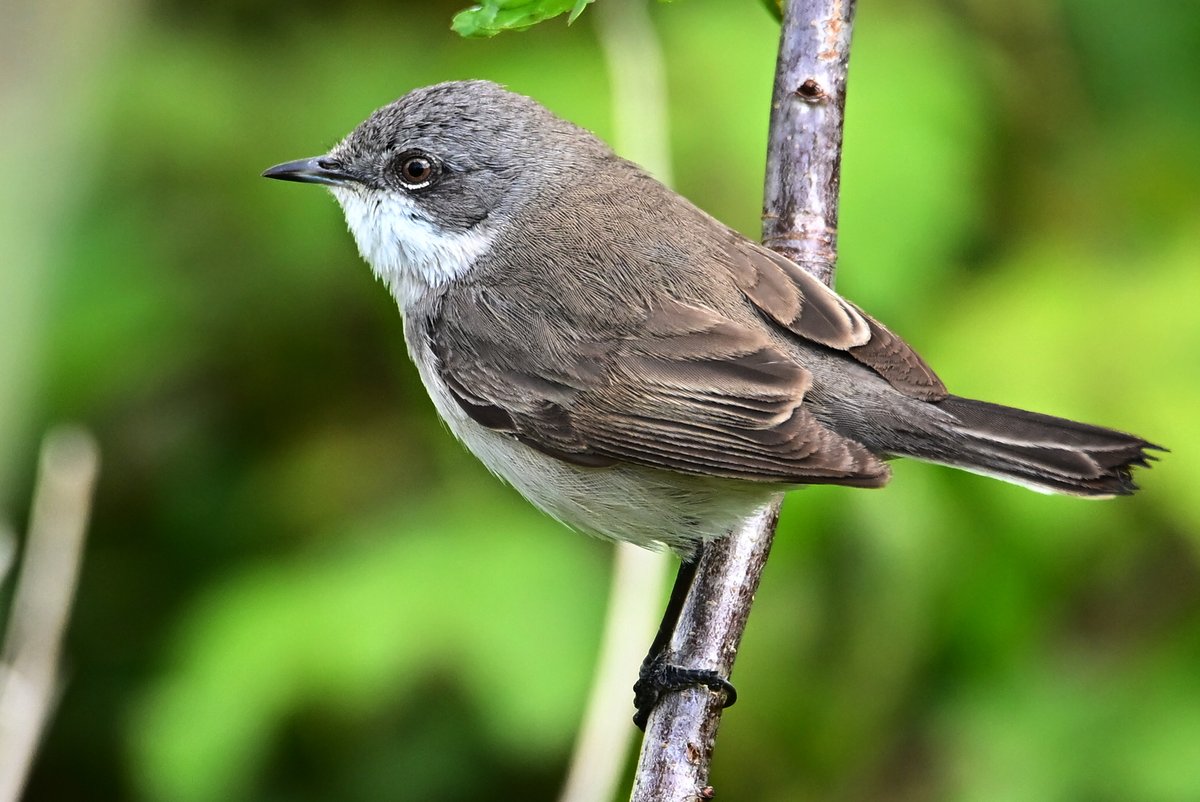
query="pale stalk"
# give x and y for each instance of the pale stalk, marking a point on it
(634, 60)
(29, 670)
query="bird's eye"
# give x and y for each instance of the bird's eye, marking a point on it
(416, 169)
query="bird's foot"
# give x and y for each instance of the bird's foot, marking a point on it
(658, 677)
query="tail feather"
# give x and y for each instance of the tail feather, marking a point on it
(1048, 454)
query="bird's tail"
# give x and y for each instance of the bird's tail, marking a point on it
(1041, 452)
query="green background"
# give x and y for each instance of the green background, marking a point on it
(298, 587)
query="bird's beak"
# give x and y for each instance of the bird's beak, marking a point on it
(317, 170)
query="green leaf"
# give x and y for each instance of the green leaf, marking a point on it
(494, 16)
(577, 10)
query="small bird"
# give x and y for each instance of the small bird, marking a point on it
(635, 368)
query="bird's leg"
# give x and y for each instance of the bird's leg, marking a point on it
(658, 675)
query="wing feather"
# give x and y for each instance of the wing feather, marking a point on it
(685, 389)
(802, 305)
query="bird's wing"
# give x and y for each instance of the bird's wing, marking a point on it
(685, 390)
(790, 297)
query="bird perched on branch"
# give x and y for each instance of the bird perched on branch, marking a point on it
(631, 365)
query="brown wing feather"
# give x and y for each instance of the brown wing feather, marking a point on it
(801, 304)
(688, 390)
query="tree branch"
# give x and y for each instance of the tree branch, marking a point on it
(804, 152)
(800, 206)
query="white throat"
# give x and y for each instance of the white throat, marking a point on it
(406, 250)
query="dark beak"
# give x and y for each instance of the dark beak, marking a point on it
(317, 170)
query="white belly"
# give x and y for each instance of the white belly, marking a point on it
(651, 508)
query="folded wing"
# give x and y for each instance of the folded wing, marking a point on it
(685, 390)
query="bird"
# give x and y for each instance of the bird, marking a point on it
(631, 365)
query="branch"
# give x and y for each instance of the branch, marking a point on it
(804, 156)
(804, 153)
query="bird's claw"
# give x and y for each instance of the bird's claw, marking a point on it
(658, 677)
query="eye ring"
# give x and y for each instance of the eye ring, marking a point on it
(416, 169)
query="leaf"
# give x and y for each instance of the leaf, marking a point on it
(580, 5)
(495, 16)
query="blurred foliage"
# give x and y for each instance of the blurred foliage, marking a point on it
(299, 588)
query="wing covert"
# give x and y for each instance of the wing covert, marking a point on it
(684, 390)
(795, 300)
